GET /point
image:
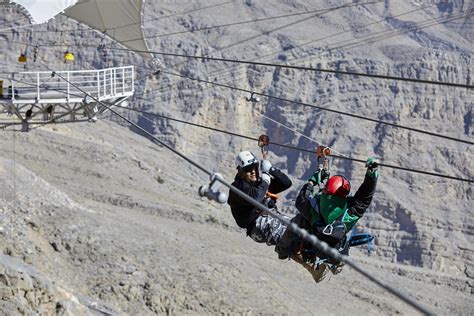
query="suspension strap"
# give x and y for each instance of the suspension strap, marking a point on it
(263, 142)
(323, 161)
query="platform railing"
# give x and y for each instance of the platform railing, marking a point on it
(44, 87)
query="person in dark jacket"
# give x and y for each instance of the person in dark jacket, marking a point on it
(329, 214)
(256, 178)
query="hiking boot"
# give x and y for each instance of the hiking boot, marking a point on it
(318, 272)
(337, 268)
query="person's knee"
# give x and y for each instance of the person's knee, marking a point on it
(285, 244)
(282, 253)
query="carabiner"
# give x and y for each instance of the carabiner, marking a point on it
(328, 229)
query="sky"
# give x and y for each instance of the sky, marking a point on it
(43, 10)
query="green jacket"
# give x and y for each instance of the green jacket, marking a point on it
(321, 209)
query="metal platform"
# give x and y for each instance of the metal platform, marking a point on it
(46, 97)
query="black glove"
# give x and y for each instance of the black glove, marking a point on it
(372, 168)
(319, 176)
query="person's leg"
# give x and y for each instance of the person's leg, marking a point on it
(289, 240)
(256, 233)
(288, 247)
(318, 272)
(286, 244)
(271, 228)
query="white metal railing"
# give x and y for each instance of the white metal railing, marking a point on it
(42, 87)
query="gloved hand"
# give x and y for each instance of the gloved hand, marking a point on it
(266, 177)
(265, 166)
(372, 167)
(319, 176)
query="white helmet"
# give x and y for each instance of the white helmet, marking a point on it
(244, 159)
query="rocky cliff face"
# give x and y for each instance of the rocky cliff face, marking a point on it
(27, 291)
(418, 220)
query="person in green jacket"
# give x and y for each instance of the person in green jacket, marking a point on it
(328, 213)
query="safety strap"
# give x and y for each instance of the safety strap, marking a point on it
(328, 229)
(263, 142)
(272, 196)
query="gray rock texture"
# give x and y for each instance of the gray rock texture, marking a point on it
(97, 219)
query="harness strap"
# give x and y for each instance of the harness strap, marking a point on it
(328, 229)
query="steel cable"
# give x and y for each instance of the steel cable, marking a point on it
(251, 21)
(361, 117)
(249, 138)
(295, 147)
(221, 71)
(295, 67)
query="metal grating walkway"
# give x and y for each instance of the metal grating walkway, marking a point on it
(42, 97)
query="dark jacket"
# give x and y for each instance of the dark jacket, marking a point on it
(245, 213)
(357, 205)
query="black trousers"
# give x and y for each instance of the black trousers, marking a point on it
(289, 241)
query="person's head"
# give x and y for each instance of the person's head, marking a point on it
(337, 186)
(247, 166)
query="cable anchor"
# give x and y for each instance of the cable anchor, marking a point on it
(324, 162)
(252, 98)
(212, 190)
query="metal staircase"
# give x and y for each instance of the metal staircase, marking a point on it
(45, 97)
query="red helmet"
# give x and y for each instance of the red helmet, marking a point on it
(338, 186)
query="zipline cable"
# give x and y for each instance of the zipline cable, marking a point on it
(246, 22)
(17, 27)
(323, 108)
(304, 234)
(322, 70)
(369, 39)
(339, 72)
(176, 14)
(89, 29)
(246, 137)
(335, 34)
(267, 32)
(294, 147)
(140, 128)
(383, 77)
(221, 71)
(409, 28)
(11, 21)
(397, 33)
(326, 109)
(251, 38)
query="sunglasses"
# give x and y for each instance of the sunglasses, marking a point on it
(250, 168)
